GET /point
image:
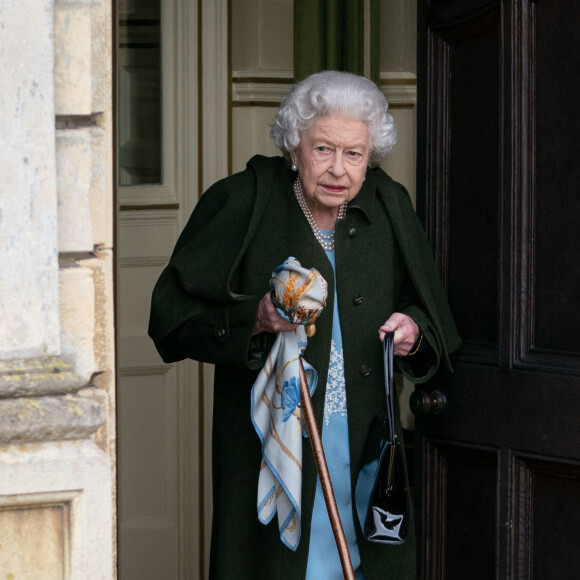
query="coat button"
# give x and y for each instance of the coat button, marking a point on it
(221, 332)
(357, 300)
(352, 232)
(365, 370)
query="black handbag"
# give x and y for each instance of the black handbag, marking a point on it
(384, 511)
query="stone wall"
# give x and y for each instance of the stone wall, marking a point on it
(57, 435)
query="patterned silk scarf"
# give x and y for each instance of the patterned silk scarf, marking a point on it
(299, 295)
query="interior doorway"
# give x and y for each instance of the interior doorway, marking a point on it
(163, 163)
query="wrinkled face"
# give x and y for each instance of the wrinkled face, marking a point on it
(332, 160)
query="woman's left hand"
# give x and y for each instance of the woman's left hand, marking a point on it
(406, 332)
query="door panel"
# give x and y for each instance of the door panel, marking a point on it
(462, 492)
(498, 192)
(473, 177)
(546, 515)
(556, 176)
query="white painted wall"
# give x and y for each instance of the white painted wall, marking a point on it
(56, 323)
(28, 218)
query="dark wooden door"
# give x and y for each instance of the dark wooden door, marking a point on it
(498, 480)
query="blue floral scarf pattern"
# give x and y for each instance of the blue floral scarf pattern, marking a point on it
(299, 295)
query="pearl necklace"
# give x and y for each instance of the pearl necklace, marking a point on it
(325, 240)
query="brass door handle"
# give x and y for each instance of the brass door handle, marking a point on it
(423, 403)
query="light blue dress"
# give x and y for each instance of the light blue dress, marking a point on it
(323, 558)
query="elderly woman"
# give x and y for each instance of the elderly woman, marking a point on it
(324, 204)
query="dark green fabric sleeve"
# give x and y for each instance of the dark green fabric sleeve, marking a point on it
(438, 327)
(421, 366)
(195, 313)
(220, 334)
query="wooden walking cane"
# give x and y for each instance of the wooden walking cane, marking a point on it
(322, 467)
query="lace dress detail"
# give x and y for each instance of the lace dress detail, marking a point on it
(323, 559)
(335, 401)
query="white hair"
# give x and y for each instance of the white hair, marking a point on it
(328, 92)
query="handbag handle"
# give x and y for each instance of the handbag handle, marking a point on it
(389, 385)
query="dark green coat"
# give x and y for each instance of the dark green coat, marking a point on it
(204, 307)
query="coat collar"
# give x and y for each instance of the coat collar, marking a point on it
(366, 199)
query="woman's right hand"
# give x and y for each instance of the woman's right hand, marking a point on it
(268, 318)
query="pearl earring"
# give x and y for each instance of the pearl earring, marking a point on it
(294, 167)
